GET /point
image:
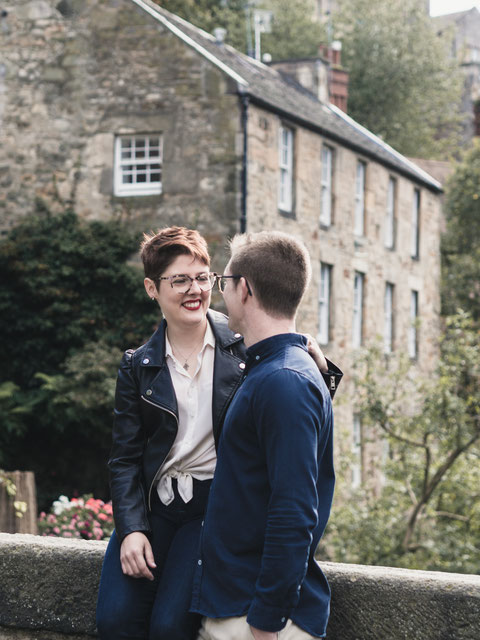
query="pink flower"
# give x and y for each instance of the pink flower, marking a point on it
(93, 504)
(67, 534)
(103, 516)
(56, 530)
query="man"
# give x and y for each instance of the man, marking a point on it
(273, 486)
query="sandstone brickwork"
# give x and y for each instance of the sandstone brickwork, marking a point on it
(339, 247)
(74, 74)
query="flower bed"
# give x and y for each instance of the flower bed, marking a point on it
(86, 517)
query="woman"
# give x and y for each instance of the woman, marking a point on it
(171, 398)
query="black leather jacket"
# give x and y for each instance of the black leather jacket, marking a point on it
(146, 417)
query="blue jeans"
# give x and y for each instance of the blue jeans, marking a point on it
(141, 609)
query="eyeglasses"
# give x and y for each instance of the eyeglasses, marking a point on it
(222, 283)
(182, 283)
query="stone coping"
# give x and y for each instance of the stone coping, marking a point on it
(48, 589)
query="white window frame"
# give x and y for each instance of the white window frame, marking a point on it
(413, 329)
(388, 318)
(326, 186)
(356, 477)
(390, 217)
(359, 222)
(415, 240)
(324, 303)
(358, 293)
(285, 161)
(128, 162)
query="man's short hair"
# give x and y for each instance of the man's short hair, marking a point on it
(276, 266)
(159, 250)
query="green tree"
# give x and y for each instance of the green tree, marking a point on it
(69, 304)
(209, 14)
(403, 84)
(461, 241)
(427, 515)
(294, 32)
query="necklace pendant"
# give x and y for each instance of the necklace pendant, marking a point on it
(186, 366)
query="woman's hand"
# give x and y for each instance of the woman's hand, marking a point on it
(263, 635)
(316, 353)
(136, 556)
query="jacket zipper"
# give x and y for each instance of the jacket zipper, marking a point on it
(159, 468)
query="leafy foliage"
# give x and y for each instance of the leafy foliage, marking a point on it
(461, 242)
(294, 33)
(209, 14)
(427, 515)
(403, 84)
(69, 304)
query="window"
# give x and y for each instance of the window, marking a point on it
(388, 319)
(416, 224)
(390, 218)
(476, 118)
(327, 181)
(413, 329)
(358, 308)
(357, 451)
(324, 303)
(138, 165)
(285, 191)
(359, 224)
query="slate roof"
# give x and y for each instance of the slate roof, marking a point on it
(279, 92)
(465, 26)
(447, 18)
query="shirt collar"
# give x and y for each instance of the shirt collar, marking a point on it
(208, 340)
(261, 350)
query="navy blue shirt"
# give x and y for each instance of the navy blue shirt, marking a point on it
(271, 495)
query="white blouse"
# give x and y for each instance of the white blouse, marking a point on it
(193, 453)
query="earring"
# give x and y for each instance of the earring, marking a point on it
(152, 298)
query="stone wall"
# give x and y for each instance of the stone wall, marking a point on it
(48, 591)
(75, 73)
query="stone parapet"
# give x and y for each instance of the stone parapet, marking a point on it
(48, 591)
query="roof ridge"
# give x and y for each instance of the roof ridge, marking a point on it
(285, 95)
(382, 143)
(157, 12)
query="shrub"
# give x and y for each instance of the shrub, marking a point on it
(71, 302)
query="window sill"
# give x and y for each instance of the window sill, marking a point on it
(132, 193)
(359, 242)
(287, 214)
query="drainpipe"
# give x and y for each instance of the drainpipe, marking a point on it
(243, 215)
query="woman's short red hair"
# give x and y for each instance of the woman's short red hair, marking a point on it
(159, 250)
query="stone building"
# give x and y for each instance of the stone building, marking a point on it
(463, 30)
(120, 109)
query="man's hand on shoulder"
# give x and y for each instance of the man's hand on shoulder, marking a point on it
(136, 556)
(258, 634)
(316, 353)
